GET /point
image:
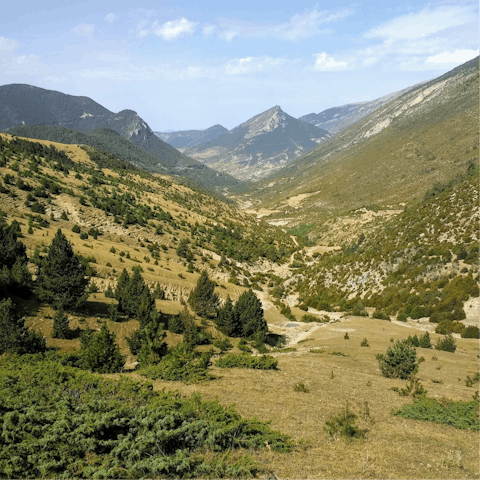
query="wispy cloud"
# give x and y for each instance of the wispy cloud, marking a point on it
(8, 44)
(425, 39)
(84, 29)
(110, 17)
(170, 31)
(426, 22)
(300, 26)
(254, 65)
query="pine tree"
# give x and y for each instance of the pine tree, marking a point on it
(14, 274)
(61, 327)
(226, 320)
(133, 293)
(61, 275)
(146, 309)
(249, 314)
(101, 353)
(15, 337)
(120, 290)
(203, 299)
(152, 346)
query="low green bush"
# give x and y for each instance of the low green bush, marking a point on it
(459, 414)
(180, 364)
(447, 344)
(61, 422)
(470, 332)
(344, 425)
(242, 360)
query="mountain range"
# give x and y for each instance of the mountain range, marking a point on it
(337, 119)
(189, 138)
(263, 144)
(426, 136)
(26, 105)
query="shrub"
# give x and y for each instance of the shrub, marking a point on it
(447, 344)
(459, 414)
(343, 425)
(180, 364)
(300, 387)
(364, 343)
(424, 341)
(83, 235)
(223, 344)
(380, 315)
(470, 332)
(447, 326)
(400, 360)
(61, 328)
(76, 229)
(242, 360)
(100, 353)
(346, 337)
(307, 318)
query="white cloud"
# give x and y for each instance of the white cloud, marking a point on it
(84, 29)
(457, 57)
(254, 65)
(324, 63)
(307, 24)
(300, 26)
(171, 31)
(420, 24)
(209, 30)
(8, 44)
(110, 17)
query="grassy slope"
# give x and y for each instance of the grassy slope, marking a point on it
(394, 447)
(168, 161)
(430, 142)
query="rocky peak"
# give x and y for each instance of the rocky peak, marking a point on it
(264, 122)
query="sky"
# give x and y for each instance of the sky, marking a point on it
(193, 64)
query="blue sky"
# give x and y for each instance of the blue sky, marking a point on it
(191, 64)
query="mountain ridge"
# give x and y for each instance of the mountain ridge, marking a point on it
(22, 104)
(259, 145)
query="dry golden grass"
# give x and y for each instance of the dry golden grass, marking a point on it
(394, 447)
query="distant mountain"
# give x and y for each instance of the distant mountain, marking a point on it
(412, 143)
(22, 104)
(260, 145)
(336, 119)
(189, 138)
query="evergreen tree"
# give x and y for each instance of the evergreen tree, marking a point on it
(146, 309)
(101, 353)
(15, 337)
(133, 293)
(61, 275)
(152, 346)
(249, 314)
(203, 299)
(226, 320)
(121, 286)
(14, 274)
(61, 328)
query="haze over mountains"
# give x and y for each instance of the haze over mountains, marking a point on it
(189, 138)
(260, 145)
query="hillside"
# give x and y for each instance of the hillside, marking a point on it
(318, 362)
(259, 146)
(26, 105)
(112, 142)
(393, 156)
(189, 138)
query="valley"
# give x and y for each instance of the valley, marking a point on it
(284, 288)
